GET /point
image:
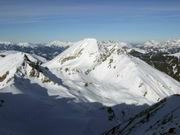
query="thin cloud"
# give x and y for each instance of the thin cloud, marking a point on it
(38, 13)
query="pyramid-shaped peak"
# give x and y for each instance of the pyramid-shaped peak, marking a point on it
(87, 42)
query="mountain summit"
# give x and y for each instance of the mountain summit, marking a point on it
(112, 75)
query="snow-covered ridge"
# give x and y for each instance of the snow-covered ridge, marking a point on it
(58, 43)
(25, 44)
(176, 55)
(88, 61)
(20, 44)
(5, 42)
(151, 43)
(172, 43)
(65, 44)
(20, 64)
(55, 43)
(114, 42)
(80, 50)
(92, 85)
(161, 118)
(162, 44)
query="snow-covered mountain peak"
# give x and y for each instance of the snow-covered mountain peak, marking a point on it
(88, 44)
(85, 55)
(24, 44)
(92, 85)
(172, 43)
(111, 66)
(22, 65)
(10, 65)
(114, 43)
(81, 53)
(151, 43)
(5, 42)
(58, 43)
(14, 60)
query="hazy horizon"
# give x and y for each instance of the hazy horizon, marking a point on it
(62, 40)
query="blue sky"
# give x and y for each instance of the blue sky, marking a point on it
(127, 20)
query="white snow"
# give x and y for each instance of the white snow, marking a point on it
(5, 42)
(113, 76)
(176, 55)
(68, 94)
(24, 44)
(161, 118)
(138, 50)
(151, 43)
(59, 43)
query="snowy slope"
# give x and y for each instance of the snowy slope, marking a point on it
(107, 74)
(114, 42)
(12, 64)
(77, 54)
(81, 91)
(34, 101)
(17, 64)
(39, 58)
(161, 118)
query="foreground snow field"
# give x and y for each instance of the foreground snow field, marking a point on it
(85, 90)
